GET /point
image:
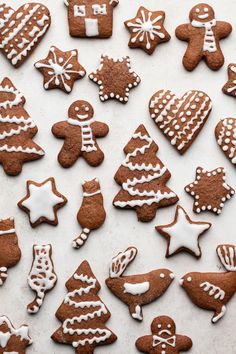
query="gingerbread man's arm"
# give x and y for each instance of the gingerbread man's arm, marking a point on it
(144, 344)
(99, 129)
(182, 32)
(183, 343)
(59, 129)
(223, 29)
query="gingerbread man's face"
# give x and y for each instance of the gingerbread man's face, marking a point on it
(163, 326)
(202, 13)
(81, 110)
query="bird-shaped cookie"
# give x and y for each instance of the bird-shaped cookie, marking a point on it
(212, 291)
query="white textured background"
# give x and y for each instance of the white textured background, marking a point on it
(161, 70)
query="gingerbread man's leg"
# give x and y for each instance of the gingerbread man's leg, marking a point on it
(94, 158)
(69, 153)
(215, 60)
(192, 57)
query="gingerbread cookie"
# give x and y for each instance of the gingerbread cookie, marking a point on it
(180, 119)
(225, 133)
(164, 339)
(136, 290)
(13, 340)
(80, 132)
(115, 78)
(203, 35)
(89, 18)
(143, 177)
(42, 202)
(83, 314)
(17, 131)
(183, 234)
(230, 87)
(209, 190)
(22, 30)
(10, 252)
(212, 291)
(42, 277)
(60, 69)
(91, 214)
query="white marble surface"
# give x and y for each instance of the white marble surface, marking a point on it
(161, 70)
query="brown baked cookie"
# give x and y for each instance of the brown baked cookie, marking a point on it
(212, 291)
(115, 78)
(180, 119)
(42, 277)
(10, 252)
(80, 132)
(83, 314)
(225, 133)
(143, 177)
(209, 190)
(60, 69)
(164, 339)
(182, 234)
(17, 130)
(42, 202)
(147, 30)
(88, 18)
(22, 30)
(230, 87)
(91, 214)
(13, 340)
(203, 35)
(136, 290)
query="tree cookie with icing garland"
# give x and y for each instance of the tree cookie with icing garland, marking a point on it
(83, 314)
(180, 119)
(143, 177)
(136, 290)
(203, 35)
(164, 339)
(225, 133)
(147, 30)
(80, 132)
(22, 30)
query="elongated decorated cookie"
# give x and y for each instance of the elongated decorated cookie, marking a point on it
(230, 87)
(225, 133)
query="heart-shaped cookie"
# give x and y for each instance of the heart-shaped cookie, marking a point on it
(225, 133)
(22, 30)
(180, 119)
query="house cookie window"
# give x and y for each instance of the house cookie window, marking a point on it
(79, 10)
(99, 9)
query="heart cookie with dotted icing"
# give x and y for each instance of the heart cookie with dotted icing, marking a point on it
(22, 30)
(180, 119)
(225, 133)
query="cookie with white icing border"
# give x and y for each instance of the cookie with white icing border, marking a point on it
(22, 30)
(209, 190)
(182, 234)
(230, 87)
(42, 202)
(180, 119)
(225, 133)
(136, 290)
(147, 30)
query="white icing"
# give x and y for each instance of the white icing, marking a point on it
(136, 288)
(6, 232)
(213, 290)
(79, 10)
(137, 315)
(41, 202)
(6, 18)
(91, 27)
(91, 194)
(227, 255)
(164, 342)
(17, 131)
(221, 314)
(22, 332)
(33, 32)
(227, 138)
(99, 9)
(13, 102)
(209, 44)
(88, 142)
(42, 20)
(21, 149)
(121, 261)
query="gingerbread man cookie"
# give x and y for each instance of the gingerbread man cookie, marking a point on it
(203, 35)
(80, 132)
(164, 339)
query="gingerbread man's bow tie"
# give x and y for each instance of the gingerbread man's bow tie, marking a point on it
(171, 341)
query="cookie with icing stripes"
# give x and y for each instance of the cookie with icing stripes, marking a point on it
(225, 133)
(180, 119)
(22, 30)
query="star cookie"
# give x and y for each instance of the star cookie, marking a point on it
(147, 30)
(225, 133)
(42, 202)
(115, 78)
(230, 87)
(183, 234)
(60, 69)
(209, 190)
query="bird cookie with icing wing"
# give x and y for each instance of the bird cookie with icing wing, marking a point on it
(212, 291)
(164, 339)
(136, 290)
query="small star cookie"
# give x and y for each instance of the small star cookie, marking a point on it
(230, 87)
(183, 234)
(209, 190)
(42, 202)
(147, 30)
(115, 78)
(60, 69)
